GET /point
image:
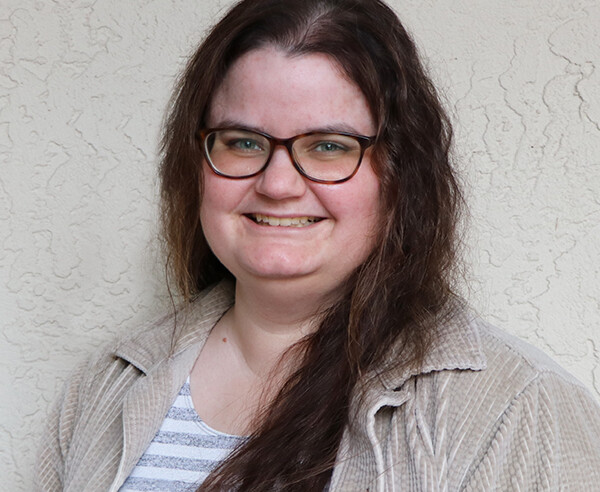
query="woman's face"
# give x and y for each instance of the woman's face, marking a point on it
(284, 96)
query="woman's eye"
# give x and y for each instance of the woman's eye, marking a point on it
(329, 147)
(245, 145)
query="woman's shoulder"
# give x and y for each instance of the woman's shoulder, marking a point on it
(509, 413)
(483, 362)
(488, 382)
(467, 346)
(94, 396)
(159, 338)
(517, 364)
(524, 414)
(146, 347)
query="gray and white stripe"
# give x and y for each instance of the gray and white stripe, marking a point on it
(183, 452)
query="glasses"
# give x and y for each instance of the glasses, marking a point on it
(322, 157)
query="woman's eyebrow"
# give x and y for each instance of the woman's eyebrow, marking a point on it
(336, 127)
(229, 123)
(330, 128)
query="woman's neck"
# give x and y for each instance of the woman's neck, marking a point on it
(263, 324)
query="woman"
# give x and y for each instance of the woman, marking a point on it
(310, 209)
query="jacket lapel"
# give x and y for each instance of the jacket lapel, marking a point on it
(147, 402)
(146, 405)
(360, 461)
(361, 464)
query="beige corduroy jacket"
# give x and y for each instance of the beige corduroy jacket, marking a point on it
(486, 412)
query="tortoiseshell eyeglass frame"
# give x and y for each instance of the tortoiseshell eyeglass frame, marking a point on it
(364, 142)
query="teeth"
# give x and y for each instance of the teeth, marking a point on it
(284, 221)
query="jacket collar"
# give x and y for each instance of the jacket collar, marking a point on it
(456, 346)
(171, 335)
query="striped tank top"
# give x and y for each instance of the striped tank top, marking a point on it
(183, 452)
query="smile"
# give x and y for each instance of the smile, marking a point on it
(269, 220)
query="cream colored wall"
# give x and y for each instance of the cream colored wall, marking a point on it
(82, 88)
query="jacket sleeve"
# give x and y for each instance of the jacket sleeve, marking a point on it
(55, 442)
(548, 438)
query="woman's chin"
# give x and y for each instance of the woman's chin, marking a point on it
(272, 263)
(276, 271)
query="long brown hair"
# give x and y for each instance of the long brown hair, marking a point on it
(398, 295)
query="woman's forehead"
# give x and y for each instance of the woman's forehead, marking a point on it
(268, 84)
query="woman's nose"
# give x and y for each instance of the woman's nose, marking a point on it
(281, 180)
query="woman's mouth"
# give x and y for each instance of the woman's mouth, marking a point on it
(269, 220)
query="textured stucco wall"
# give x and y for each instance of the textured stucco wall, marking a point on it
(82, 88)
